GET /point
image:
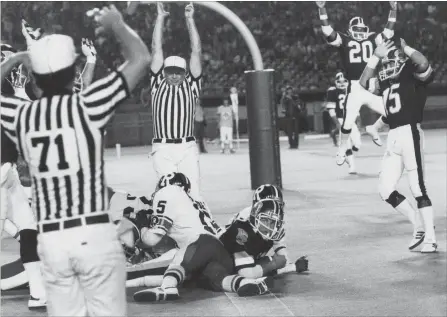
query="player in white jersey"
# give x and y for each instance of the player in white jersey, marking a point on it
(226, 116)
(201, 255)
(355, 48)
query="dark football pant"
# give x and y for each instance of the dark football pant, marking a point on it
(205, 260)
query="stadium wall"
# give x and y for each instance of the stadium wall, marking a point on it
(132, 125)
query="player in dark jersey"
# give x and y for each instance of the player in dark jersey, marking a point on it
(336, 101)
(355, 48)
(403, 76)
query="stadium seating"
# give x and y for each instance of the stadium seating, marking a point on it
(288, 33)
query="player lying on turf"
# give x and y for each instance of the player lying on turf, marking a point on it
(244, 242)
(403, 76)
(200, 254)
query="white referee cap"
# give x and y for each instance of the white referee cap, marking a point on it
(52, 53)
(175, 61)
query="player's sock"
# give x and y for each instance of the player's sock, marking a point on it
(31, 262)
(232, 283)
(13, 275)
(379, 124)
(36, 283)
(426, 210)
(11, 229)
(173, 276)
(427, 215)
(146, 281)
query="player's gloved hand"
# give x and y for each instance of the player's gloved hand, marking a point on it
(320, 4)
(382, 49)
(189, 11)
(89, 51)
(161, 10)
(302, 264)
(393, 5)
(30, 34)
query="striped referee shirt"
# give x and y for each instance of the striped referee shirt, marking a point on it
(61, 139)
(173, 107)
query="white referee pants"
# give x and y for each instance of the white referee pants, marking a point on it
(84, 270)
(182, 158)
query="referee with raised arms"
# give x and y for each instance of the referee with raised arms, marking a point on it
(60, 136)
(174, 91)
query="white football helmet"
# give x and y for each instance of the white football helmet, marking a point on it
(357, 29)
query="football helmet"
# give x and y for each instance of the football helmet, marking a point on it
(267, 191)
(392, 64)
(18, 76)
(357, 29)
(267, 219)
(340, 81)
(178, 179)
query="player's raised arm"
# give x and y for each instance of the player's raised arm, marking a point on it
(88, 49)
(195, 63)
(369, 71)
(157, 39)
(388, 31)
(332, 37)
(423, 69)
(133, 49)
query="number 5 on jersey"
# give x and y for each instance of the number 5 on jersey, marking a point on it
(391, 99)
(53, 153)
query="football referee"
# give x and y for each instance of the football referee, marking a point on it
(60, 136)
(174, 91)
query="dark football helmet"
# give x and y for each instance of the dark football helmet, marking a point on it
(392, 64)
(357, 29)
(178, 179)
(267, 191)
(267, 219)
(340, 81)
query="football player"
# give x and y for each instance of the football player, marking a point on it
(335, 103)
(17, 218)
(201, 255)
(356, 47)
(255, 237)
(403, 76)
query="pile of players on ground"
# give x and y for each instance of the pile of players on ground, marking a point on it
(170, 238)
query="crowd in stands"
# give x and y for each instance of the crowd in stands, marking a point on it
(288, 34)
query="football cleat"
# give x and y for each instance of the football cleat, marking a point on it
(374, 134)
(256, 287)
(429, 248)
(418, 238)
(37, 303)
(156, 294)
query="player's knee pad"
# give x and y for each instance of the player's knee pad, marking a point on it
(394, 199)
(28, 246)
(423, 201)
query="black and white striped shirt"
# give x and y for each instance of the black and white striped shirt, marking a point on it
(61, 139)
(173, 107)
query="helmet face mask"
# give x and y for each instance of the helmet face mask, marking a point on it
(392, 64)
(267, 219)
(357, 29)
(18, 76)
(340, 81)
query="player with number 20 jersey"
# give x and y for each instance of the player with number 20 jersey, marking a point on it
(356, 47)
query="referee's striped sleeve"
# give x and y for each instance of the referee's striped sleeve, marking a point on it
(8, 115)
(102, 97)
(196, 84)
(156, 79)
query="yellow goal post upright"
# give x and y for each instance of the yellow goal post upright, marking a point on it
(264, 150)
